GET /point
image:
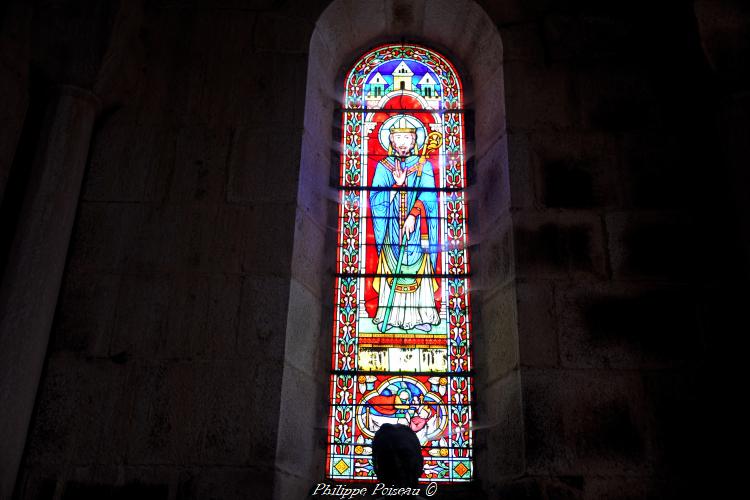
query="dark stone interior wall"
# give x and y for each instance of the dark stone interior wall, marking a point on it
(164, 366)
(165, 360)
(627, 242)
(14, 84)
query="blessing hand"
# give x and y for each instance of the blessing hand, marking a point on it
(399, 175)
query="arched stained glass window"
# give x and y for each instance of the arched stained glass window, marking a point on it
(402, 322)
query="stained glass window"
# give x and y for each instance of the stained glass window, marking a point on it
(402, 322)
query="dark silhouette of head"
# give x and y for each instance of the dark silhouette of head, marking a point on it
(397, 456)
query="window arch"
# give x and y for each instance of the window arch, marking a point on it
(304, 400)
(402, 319)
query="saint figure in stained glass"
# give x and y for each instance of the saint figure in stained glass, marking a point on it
(405, 226)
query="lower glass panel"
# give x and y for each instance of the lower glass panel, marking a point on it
(437, 408)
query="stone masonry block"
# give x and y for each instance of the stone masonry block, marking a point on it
(282, 33)
(515, 11)
(694, 486)
(264, 166)
(85, 313)
(569, 487)
(652, 245)
(299, 449)
(291, 485)
(525, 487)
(543, 487)
(493, 256)
(459, 34)
(496, 349)
(339, 34)
(226, 483)
(263, 317)
(488, 101)
(653, 176)
(191, 237)
(314, 258)
(522, 176)
(37, 482)
(200, 167)
(585, 422)
(522, 42)
(267, 232)
(404, 15)
(123, 158)
(587, 38)
(162, 412)
(103, 235)
(141, 323)
(203, 412)
(303, 329)
(544, 426)
(627, 326)
(74, 409)
(559, 245)
(76, 490)
(575, 169)
(221, 245)
(492, 191)
(538, 97)
(203, 316)
(678, 402)
(192, 230)
(537, 324)
(615, 99)
(163, 237)
(724, 30)
(270, 98)
(236, 406)
(614, 488)
(500, 445)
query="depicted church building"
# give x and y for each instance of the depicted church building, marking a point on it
(427, 86)
(401, 78)
(240, 237)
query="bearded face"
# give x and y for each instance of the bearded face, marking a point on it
(403, 142)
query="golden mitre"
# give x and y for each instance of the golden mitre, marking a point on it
(402, 125)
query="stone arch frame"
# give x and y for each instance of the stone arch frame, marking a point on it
(345, 30)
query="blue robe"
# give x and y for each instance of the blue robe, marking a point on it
(389, 207)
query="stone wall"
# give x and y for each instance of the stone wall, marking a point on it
(170, 340)
(619, 224)
(164, 365)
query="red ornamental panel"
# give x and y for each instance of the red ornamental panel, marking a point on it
(402, 316)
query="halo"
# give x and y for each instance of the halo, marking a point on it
(385, 130)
